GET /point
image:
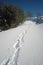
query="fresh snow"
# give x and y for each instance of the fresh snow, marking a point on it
(31, 52)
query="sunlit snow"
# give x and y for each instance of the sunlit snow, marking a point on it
(31, 53)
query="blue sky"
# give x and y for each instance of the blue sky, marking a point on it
(27, 5)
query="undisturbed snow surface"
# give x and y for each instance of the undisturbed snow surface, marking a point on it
(32, 51)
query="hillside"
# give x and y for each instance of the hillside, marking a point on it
(32, 51)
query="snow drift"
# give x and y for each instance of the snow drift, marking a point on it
(32, 51)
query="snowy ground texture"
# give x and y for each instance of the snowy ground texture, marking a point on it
(31, 52)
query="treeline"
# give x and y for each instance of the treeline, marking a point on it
(37, 14)
(38, 18)
(10, 16)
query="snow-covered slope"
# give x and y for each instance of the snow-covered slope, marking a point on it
(32, 51)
